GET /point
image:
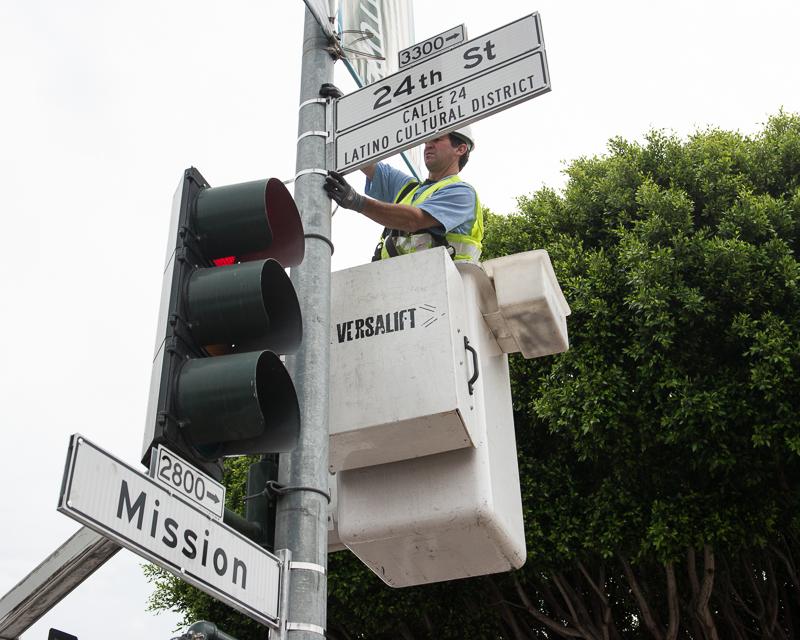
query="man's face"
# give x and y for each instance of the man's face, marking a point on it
(440, 154)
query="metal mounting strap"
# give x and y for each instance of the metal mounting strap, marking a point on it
(276, 488)
(321, 134)
(325, 240)
(313, 101)
(308, 566)
(305, 626)
(304, 172)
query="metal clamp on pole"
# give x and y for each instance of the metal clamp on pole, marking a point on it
(313, 101)
(307, 566)
(274, 488)
(320, 134)
(304, 172)
(285, 556)
(326, 240)
(305, 626)
(287, 566)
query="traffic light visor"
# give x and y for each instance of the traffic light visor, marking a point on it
(247, 306)
(251, 220)
(238, 404)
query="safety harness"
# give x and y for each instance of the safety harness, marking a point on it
(467, 247)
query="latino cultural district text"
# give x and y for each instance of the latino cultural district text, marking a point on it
(425, 119)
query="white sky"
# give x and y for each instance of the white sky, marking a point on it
(105, 103)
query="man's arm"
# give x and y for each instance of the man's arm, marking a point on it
(404, 217)
(395, 216)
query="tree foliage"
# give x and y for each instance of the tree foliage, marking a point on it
(659, 455)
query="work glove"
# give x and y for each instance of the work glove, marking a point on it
(342, 193)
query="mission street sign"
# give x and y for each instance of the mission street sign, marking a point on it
(446, 91)
(129, 507)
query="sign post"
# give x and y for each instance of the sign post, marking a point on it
(301, 523)
(441, 93)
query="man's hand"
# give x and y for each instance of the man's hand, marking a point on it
(342, 193)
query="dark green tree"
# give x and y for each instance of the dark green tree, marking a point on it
(659, 456)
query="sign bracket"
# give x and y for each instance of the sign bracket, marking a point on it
(279, 632)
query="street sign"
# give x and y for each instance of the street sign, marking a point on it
(132, 509)
(178, 475)
(449, 90)
(425, 49)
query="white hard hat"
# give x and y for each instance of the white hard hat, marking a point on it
(465, 134)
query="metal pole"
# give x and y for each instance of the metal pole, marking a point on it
(301, 524)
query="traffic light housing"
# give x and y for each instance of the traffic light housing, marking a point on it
(218, 386)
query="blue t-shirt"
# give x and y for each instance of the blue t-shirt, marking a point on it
(453, 206)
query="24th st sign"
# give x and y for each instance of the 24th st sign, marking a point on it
(107, 495)
(467, 83)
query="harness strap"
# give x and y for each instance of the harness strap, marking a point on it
(388, 235)
(439, 238)
(389, 244)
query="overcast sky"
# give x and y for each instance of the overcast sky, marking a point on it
(104, 104)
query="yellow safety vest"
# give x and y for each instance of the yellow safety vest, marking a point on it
(467, 248)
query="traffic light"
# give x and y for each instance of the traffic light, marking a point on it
(218, 387)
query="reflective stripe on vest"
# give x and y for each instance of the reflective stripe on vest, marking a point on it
(467, 247)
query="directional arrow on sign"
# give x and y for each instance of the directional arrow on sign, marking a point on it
(179, 476)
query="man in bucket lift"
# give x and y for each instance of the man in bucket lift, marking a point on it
(442, 211)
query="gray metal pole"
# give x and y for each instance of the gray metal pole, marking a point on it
(301, 524)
